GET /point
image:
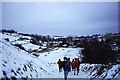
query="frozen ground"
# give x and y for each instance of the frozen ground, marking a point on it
(20, 64)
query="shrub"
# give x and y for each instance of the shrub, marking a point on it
(98, 53)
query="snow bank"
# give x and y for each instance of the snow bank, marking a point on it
(18, 63)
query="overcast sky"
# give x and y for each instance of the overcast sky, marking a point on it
(61, 18)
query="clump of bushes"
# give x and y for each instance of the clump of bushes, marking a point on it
(98, 53)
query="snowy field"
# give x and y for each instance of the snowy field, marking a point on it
(19, 63)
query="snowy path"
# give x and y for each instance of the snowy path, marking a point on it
(52, 58)
(44, 66)
(18, 63)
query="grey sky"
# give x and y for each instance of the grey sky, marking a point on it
(61, 18)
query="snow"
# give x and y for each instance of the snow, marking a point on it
(20, 42)
(28, 37)
(18, 63)
(53, 56)
(30, 46)
(11, 38)
(16, 58)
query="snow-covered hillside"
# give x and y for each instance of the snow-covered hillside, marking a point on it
(19, 62)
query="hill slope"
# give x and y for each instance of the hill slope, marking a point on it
(18, 62)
